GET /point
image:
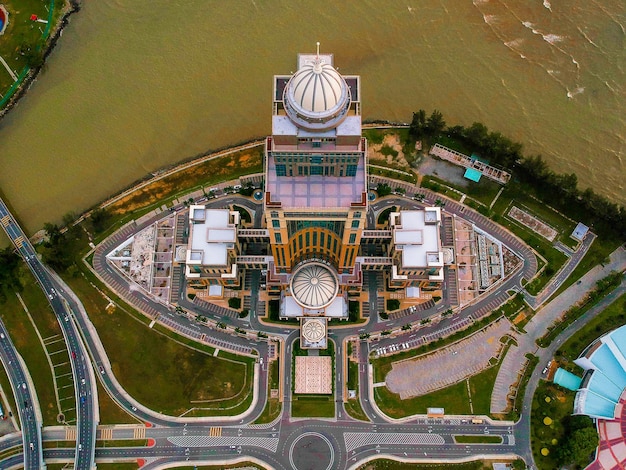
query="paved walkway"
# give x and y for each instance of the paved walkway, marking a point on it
(515, 358)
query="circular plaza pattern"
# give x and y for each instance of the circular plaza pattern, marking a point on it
(313, 330)
(311, 451)
(314, 285)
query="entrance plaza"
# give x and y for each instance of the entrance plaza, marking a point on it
(314, 375)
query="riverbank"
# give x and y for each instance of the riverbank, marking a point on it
(50, 35)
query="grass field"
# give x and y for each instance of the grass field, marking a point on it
(455, 398)
(29, 346)
(162, 374)
(558, 408)
(22, 34)
(386, 464)
(309, 406)
(612, 317)
(183, 182)
(353, 405)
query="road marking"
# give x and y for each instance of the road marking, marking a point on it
(70, 433)
(215, 432)
(139, 432)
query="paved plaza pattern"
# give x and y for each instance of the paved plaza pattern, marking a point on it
(533, 223)
(415, 377)
(611, 453)
(354, 440)
(314, 374)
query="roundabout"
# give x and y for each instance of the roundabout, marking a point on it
(311, 451)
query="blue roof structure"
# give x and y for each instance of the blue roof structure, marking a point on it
(566, 379)
(597, 406)
(580, 231)
(604, 360)
(472, 175)
(605, 378)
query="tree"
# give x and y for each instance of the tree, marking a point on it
(99, 218)
(383, 190)
(578, 446)
(9, 273)
(435, 124)
(418, 125)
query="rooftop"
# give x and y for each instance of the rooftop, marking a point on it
(211, 236)
(416, 233)
(317, 190)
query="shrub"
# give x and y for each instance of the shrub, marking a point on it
(234, 302)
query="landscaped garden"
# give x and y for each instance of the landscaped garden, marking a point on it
(23, 44)
(557, 437)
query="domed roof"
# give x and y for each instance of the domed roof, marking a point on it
(313, 285)
(317, 87)
(316, 94)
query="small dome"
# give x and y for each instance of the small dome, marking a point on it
(314, 285)
(316, 95)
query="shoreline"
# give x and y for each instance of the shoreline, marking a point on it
(71, 7)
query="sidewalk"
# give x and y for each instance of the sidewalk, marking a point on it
(515, 358)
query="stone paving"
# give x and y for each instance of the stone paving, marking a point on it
(415, 377)
(533, 223)
(314, 374)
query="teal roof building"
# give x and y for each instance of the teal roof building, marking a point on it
(604, 381)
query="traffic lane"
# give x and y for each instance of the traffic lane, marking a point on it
(24, 400)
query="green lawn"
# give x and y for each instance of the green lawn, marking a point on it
(21, 44)
(28, 344)
(163, 374)
(273, 407)
(313, 406)
(558, 408)
(612, 317)
(353, 405)
(483, 191)
(454, 399)
(110, 412)
(386, 464)
(204, 175)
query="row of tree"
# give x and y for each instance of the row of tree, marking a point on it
(560, 189)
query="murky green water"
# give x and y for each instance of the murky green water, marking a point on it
(137, 84)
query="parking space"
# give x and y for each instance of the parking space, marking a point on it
(447, 366)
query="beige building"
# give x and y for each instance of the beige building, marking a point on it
(315, 188)
(212, 248)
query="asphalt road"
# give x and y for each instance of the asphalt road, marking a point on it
(26, 401)
(278, 443)
(85, 388)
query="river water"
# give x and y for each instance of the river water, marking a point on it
(137, 84)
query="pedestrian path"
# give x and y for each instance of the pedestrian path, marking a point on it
(513, 362)
(269, 443)
(355, 440)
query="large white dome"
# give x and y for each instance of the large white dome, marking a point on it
(314, 285)
(317, 95)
